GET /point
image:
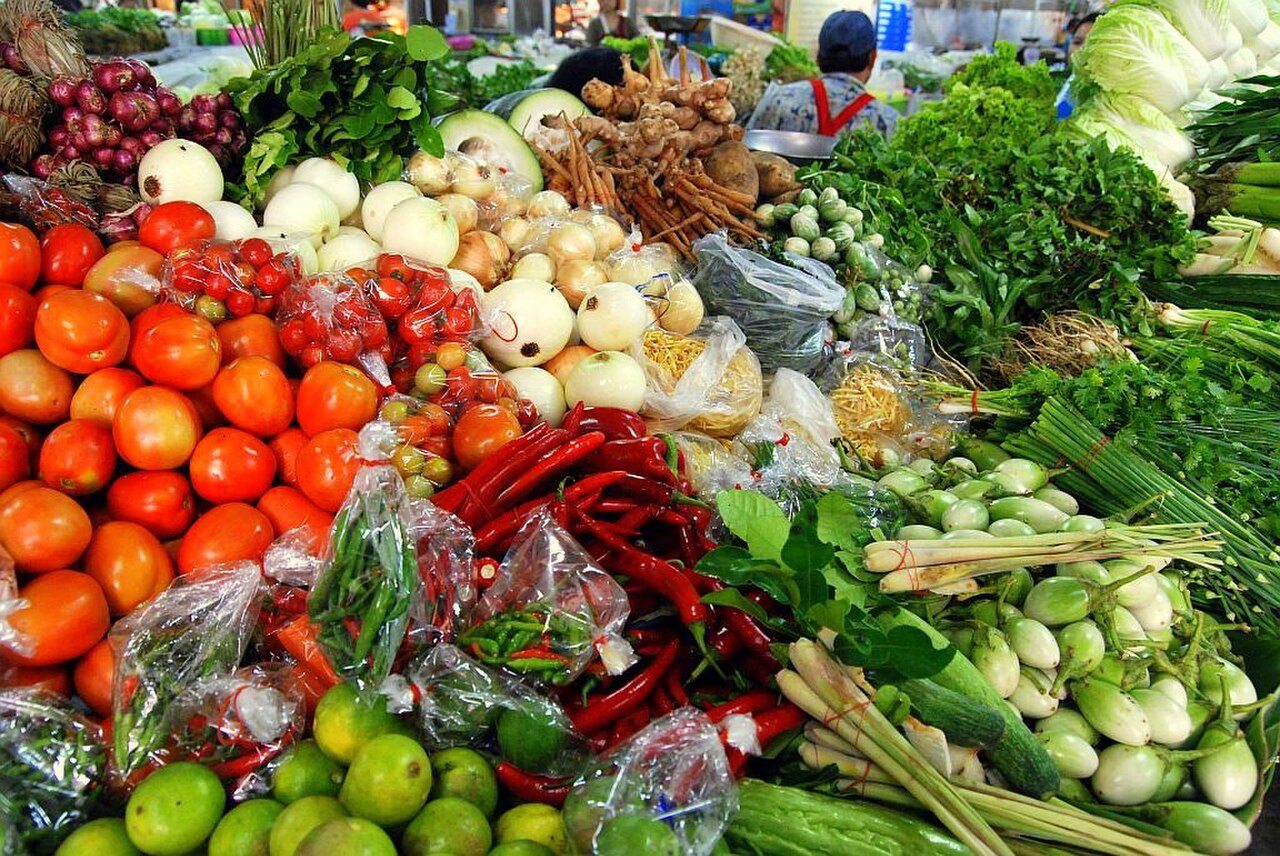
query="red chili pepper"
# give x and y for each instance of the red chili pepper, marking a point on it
(298, 638)
(724, 642)
(746, 628)
(486, 571)
(483, 490)
(551, 465)
(752, 701)
(245, 764)
(675, 687)
(647, 635)
(539, 654)
(771, 724)
(645, 456)
(451, 497)
(657, 575)
(527, 787)
(662, 701)
(604, 710)
(614, 422)
(627, 728)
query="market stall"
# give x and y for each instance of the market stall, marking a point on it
(399, 457)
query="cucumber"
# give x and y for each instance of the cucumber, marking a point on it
(965, 721)
(1018, 755)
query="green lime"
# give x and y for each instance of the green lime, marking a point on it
(105, 836)
(521, 848)
(174, 809)
(347, 836)
(628, 834)
(345, 721)
(298, 819)
(530, 739)
(466, 774)
(535, 822)
(388, 781)
(245, 830)
(584, 811)
(448, 825)
(305, 771)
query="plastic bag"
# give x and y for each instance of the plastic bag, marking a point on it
(712, 465)
(892, 339)
(197, 628)
(551, 610)
(362, 599)
(446, 548)
(880, 287)
(782, 310)
(10, 638)
(229, 279)
(463, 703)
(791, 438)
(636, 263)
(419, 301)
(329, 317)
(45, 206)
(670, 783)
(52, 768)
(510, 198)
(709, 382)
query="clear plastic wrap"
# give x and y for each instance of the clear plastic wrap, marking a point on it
(295, 558)
(510, 198)
(783, 310)
(881, 287)
(10, 638)
(329, 317)
(669, 786)
(636, 262)
(709, 382)
(712, 465)
(791, 438)
(45, 206)
(419, 300)
(890, 339)
(364, 595)
(197, 628)
(52, 769)
(228, 279)
(551, 610)
(445, 548)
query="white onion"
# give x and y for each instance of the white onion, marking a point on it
(530, 322)
(612, 317)
(515, 231)
(471, 178)
(675, 303)
(535, 266)
(347, 250)
(428, 173)
(230, 221)
(281, 179)
(541, 388)
(570, 241)
(281, 240)
(303, 208)
(176, 170)
(379, 202)
(606, 379)
(463, 209)
(577, 278)
(608, 235)
(343, 187)
(421, 228)
(637, 267)
(548, 203)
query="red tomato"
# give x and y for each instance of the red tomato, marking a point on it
(67, 252)
(230, 465)
(335, 395)
(285, 446)
(17, 318)
(30, 436)
(206, 408)
(94, 677)
(43, 529)
(127, 276)
(288, 508)
(78, 457)
(128, 562)
(327, 466)
(15, 462)
(253, 335)
(174, 224)
(19, 255)
(81, 332)
(52, 679)
(151, 316)
(234, 532)
(33, 389)
(99, 394)
(17, 489)
(182, 352)
(254, 394)
(481, 431)
(156, 428)
(66, 615)
(160, 501)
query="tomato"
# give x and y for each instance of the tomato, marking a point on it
(285, 446)
(81, 332)
(52, 679)
(15, 461)
(19, 488)
(30, 436)
(288, 508)
(151, 316)
(234, 532)
(94, 675)
(230, 465)
(67, 252)
(19, 255)
(128, 562)
(206, 408)
(182, 352)
(78, 457)
(65, 616)
(33, 389)
(327, 466)
(160, 501)
(99, 394)
(43, 529)
(335, 395)
(482, 430)
(254, 394)
(175, 224)
(17, 318)
(253, 335)
(127, 276)
(156, 428)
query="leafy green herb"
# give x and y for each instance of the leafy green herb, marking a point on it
(788, 63)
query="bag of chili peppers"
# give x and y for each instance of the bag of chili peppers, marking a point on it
(52, 768)
(44, 206)
(329, 316)
(670, 785)
(366, 592)
(229, 279)
(446, 549)
(197, 629)
(551, 610)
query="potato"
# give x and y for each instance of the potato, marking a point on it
(729, 165)
(777, 175)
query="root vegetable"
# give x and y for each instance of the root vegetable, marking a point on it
(729, 165)
(379, 202)
(612, 317)
(776, 175)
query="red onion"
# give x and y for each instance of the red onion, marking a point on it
(104, 157)
(70, 153)
(187, 120)
(80, 141)
(132, 145)
(205, 104)
(113, 76)
(170, 104)
(150, 138)
(72, 114)
(220, 153)
(111, 135)
(222, 136)
(93, 131)
(43, 166)
(229, 119)
(130, 180)
(142, 72)
(14, 60)
(90, 98)
(163, 127)
(63, 91)
(134, 110)
(126, 162)
(206, 123)
(141, 212)
(58, 136)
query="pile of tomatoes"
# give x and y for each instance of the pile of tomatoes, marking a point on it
(139, 441)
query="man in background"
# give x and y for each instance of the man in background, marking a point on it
(1079, 33)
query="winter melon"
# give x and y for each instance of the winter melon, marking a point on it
(489, 138)
(524, 110)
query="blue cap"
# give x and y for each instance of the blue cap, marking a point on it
(846, 34)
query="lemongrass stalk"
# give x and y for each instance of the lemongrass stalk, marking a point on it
(820, 757)
(817, 734)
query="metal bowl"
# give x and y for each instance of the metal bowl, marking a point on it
(795, 146)
(678, 23)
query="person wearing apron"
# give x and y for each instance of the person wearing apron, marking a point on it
(837, 101)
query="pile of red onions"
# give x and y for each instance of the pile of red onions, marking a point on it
(213, 122)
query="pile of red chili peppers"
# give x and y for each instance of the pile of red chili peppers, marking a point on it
(625, 497)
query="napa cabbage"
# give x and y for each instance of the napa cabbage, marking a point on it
(1243, 63)
(1203, 22)
(1249, 16)
(1267, 43)
(1134, 50)
(1153, 135)
(1219, 74)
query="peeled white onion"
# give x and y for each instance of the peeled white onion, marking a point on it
(516, 232)
(279, 181)
(230, 221)
(535, 266)
(608, 234)
(471, 178)
(421, 228)
(540, 387)
(548, 203)
(428, 173)
(642, 265)
(342, 186)
(464, 210)
(612, 317)
(347, 250)
(306, 209)
(379, 202)
(174, 170)
(606, 379)
(570, 241)
(530, 322)
(675, 303)
(579, 277)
